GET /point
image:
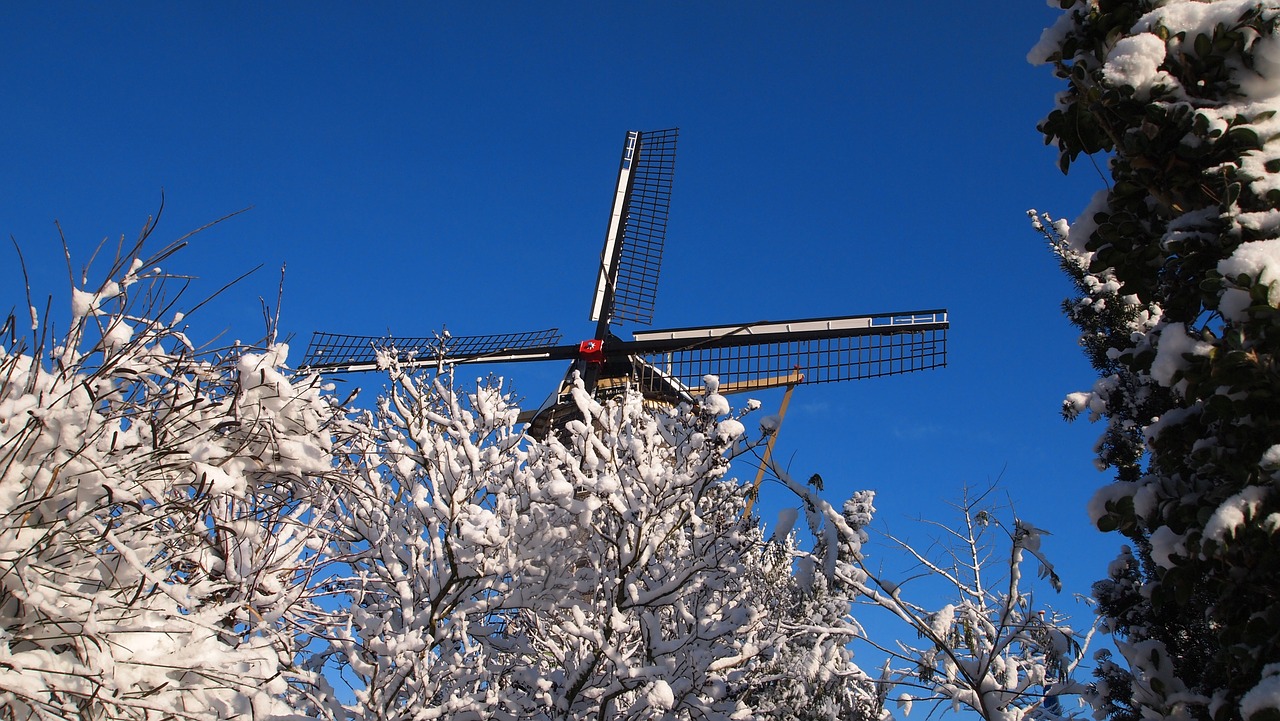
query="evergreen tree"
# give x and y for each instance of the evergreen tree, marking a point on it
(1175, 263)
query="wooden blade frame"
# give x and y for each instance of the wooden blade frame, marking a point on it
(627, 284)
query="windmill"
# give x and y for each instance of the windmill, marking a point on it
(666, 366)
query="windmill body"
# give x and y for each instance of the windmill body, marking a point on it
(666, 366)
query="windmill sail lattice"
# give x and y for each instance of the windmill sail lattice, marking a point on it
(644, 230)
(349, 353)
(667, 366)
(822, 350)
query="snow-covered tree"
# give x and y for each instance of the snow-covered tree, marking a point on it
(1176, 264)
(985, 645)
(608, 572)
(205, 534)
(991, 648)
(161, 514)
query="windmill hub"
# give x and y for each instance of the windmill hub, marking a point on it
(591, 351)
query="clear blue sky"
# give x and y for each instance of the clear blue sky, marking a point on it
(451, 163)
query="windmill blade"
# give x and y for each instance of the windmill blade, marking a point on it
(632, 255)
(338, 353)
(778, 353)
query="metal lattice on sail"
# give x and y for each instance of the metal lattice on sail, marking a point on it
(645, 229)
(335, 351)
(768, 355)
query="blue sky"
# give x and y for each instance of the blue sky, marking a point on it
(425, 164)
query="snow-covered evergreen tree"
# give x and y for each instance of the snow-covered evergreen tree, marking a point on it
(1176, 263)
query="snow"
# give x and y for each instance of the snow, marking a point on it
(1085, 224)
(940, 623)
(1271, 524)
(1150, 59)
(117, 335)
(904, 702)
(1173, 345)
(660, 696)
(1233, 513)
(1263, 696)
(1260, 261)
(210, 569)
(730, 429)
(82, 303)
(1234, 303)
(1135, 62)
(711, 383)
(1050, 39)
(715, 404)
(218, 481)
(1264, 82)
(1165, 544)
(786, 522)
(608, 559)
(524, 554)
(1075, 403)
(1108, 494)
(1271, 458)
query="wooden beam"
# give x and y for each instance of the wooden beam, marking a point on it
(768, 451)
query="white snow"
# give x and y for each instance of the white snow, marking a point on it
(715, 404)
(1050, 39)
(1173, 345)
(904, 703)
(660, 695)
(1233, 513)
(82, 303)
(1085, 224)
(1110, 493)
(1263, 696)
(729, 428)
(786, 522)
(117, 335)
(1165, 544)
(1271, 458)
(1233, 304)
(1260, 260)
(1135, 62)
(940, 622)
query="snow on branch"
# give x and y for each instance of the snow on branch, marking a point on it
(159, 515)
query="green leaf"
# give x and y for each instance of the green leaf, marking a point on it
(1232, 195)
(1108, 523)
(1244, 135)
(1203, 45)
